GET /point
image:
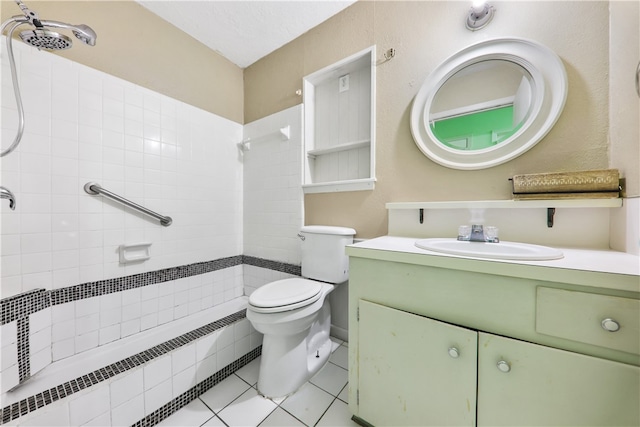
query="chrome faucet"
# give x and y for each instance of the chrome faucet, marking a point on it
(479, 234)
(6, 194)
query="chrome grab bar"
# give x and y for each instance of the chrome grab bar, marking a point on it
(95, 188)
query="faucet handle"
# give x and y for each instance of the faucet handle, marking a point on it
(491, 234)
(464, 232)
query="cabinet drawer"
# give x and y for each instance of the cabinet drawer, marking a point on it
(579, 316)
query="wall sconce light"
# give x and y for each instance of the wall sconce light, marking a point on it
(480, 15)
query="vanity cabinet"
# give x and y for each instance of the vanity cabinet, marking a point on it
(520, 383)
(418, 371)
(448, 346)
(413, 369)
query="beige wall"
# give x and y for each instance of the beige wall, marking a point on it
(424, 33)
(136, 45)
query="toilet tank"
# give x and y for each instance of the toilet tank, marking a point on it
(323, 252)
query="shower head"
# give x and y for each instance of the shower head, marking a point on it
(83, 32)
(45, 39)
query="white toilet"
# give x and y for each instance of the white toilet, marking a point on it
(294, 314)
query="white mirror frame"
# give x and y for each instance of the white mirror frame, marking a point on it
(549, 87)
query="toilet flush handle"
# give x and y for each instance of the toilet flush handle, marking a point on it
(301, 236)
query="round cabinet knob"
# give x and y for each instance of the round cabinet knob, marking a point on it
(503, 366)
(453, 352)
(610, 325)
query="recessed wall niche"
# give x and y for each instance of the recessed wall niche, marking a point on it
(339, 125)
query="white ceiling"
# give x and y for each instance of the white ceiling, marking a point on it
(243, 31)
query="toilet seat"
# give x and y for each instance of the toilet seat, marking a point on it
(285, 295)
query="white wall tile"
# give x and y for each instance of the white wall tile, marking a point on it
(9, 378)
(87, 341)
(165, 316)
(129, 327)
(206, 346)
(40, 360)
(157, 396)
(225, 356)
(62, 312)
(184, 380)
(126, 387)
(241, 347)
(183, 358)
(157, 371)
(109, 317)
(8, 333)
(149, 321)
(128, 413)
(86, 324)
(40, 340)
(63, 329)
(131, 311)
(63, 348)
(40, 320)
(225, 337)
(206, 367)
(88, 406)
(99, 421)
(9, 354)
(109, 334)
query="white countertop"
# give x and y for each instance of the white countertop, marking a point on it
(588, 267)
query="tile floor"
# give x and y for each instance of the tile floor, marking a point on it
(235, 401)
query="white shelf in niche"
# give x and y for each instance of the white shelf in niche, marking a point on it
(510, 204)
(340, 147)
(336, 186)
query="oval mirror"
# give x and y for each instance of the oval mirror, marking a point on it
(488, 103)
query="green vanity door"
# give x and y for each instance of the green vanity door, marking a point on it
(521, 383)
(414, 371)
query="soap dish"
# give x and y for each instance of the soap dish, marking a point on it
(134, 253)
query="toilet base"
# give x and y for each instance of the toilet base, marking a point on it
(289, 361)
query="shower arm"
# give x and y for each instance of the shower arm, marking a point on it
(16, 21)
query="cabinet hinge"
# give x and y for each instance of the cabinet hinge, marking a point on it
(357, 397)
(358, 314)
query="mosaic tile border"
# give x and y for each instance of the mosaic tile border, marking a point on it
(272, 265)
(20, 306)
(102, 287)
(188, 396)
(32, 403)
(24, 362)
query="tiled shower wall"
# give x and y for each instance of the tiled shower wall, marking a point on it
(83, 125)
(273, 198)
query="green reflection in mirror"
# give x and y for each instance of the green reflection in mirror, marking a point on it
(481, 105)
(478, 130)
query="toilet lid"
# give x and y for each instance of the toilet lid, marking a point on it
(285, 293)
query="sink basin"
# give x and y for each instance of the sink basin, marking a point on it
(502, 250)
